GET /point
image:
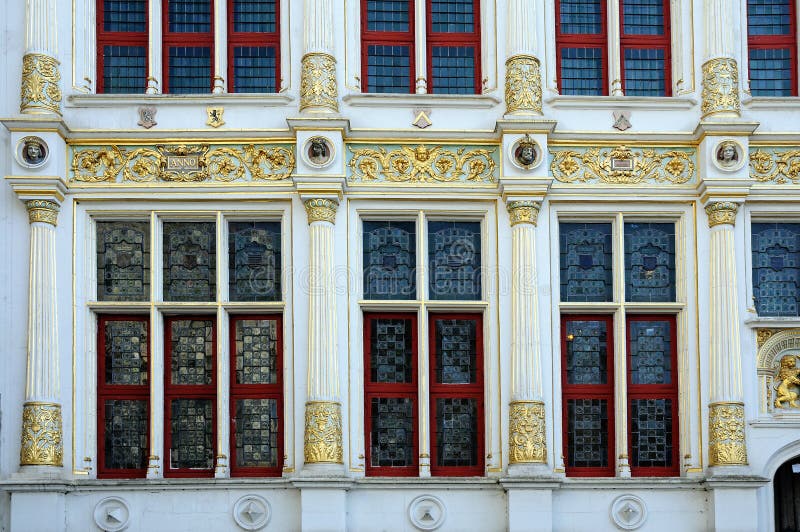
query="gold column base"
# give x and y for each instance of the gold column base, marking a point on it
(523, 85)
(318, 89)
(720, 87)
(323, 433)
(40, 92)
(526, 430)
(726, 442)
(42, 435)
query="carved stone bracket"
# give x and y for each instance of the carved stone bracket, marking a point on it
(42, 211)
(523, 212)
(721, 212)
(526, 431)
(726, 442)
(318, 82)
(42, 439)
(323, 433)
(40, 90)
(321, 210)
(523, 85)
(720, 87)
(623, 165)
(779, 165)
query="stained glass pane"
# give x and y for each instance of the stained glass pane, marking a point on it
(651, 432)
(256, 351)
(390, 260)
(192, 445)
(126, 352)
(453, 69)
(254, 16)
(254, 261)
(125, 434)
(771, 71)
(587, 352)
(456, 351)
(125, 15)
(124, 69)
(585, 262)
(587, 432)
(388, 68)
(189, 69)
(776, 268)
(254, 69)
(256, 433)
(454, 259)
(192, 350)
(190, 261)
(391, 350)
(123, 261)
(387, 15)
(649, 262)
(650, 351)
(581, 16)
(392, 435)
(456, 432)
(644, 72)
(452, 16)
(769, 17)
(190, 16)
(643, 17)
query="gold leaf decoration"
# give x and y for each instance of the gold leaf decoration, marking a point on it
(622, 165)
(42, 441)
(526, 427)
(323, 433)
(40, 89)
(720, 87)
(318, 82)
(523, 85)
(726, 443)
(778, 165)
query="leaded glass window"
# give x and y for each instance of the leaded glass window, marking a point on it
(190, 261)
(254, 260)
(587, 433)
(587, 352)
(454, 260)
(191, 434)
(126, 360)
(390, 260)
(391, 350)
(651, 432)
(456, 347)
(456, 432)
(123, 261)
(256, 434)
(772, 47)
(256, 351)
(125, 442)
(776, 268)
(191, 351)
(392, 434)
(650, 351)
(586, 269)
(650, 262)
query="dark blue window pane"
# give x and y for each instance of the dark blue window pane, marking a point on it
(587, 432)
(387, 15)
(190, 16)
(643, 17)
(770, 72)
(454, 260)
(456, 432)
(769, 17)
(253, 69)
(649, 262)
(393, 432)
(452, 16)
(254, 16)
(190, 261)
(254, 261)
(125, 15)
(582, 71)
(581, 16)
(644, 72)
(651, 432)
(587, 352)
(388, 68)
(776, 269)
(189, 70)
(456, 351)
(585, 262)
(390, 260)
(123, 261)
(391, 350)
(650, 351)
(453, 69)
(124, 69)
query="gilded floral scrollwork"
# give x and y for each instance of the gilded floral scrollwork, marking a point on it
(720, 86)
(622, 165)
(40, 77)
(422, 164)
(318, 82)
(726, 443)
(323, 433)
(523, 84)
(41, 435)
(93, 165)
(526, 427)
(774, 164)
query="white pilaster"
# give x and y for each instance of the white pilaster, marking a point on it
(40, 91)
(523, 50)
(220, 47)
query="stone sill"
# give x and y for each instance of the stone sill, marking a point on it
(645, 103)
(633, 483)
(435, 101)
(21, 484)
(772, 103)
(777, 421)
(773, 322)
(114, 100)
(471, 483)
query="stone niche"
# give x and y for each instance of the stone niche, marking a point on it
(778, 367)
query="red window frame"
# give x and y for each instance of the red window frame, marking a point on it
(387, 38)
(583, 40)
(188, 39)
(472, 390)
(588, 391)
(188, 391)
(256, 391)
(405, 390)
(656, 391)
(139, 392)
(253, 39)
(648, 42)
(779, 42)
(472, 40)
(118, 38)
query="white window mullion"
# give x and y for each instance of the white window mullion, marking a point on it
(423, 357)
(155, 48)
(222, 460)
(220, 47)
(420, 47)
(622, 468)
(157, 458)
(614, 50)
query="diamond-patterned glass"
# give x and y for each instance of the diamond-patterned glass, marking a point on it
(587, 354)
(649, 262)
(254, 261)
(256, 433)
(456, 351)
(125, 434)
(123, 261)
(776, 268)
(587, 432)
(651, 432)
(190, 261)
(126, 352)
(585, 262)
(191, 353)
(390, 260)
(191, 423)
(454, 258)
(392, 435)
(391, 350)
(650, 352)
(256, 351)
(456, 432)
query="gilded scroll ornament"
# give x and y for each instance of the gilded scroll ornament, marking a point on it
(318, 82)
(422, 164)
(622, 165)
(788, 382)
(721, 212)
(182, 163)
(775, 164)
(726, 444)
(42, 211)
(323, 433)
(321, 210)
(40, 90)
(523, 212)
(526, 430)
(720, 86)
(762, 335)
(41, 435)
(523, 84)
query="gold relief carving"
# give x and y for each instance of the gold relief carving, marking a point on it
(774, 164)
(41, 435)
(721, 212)
(323, 434)
(622, 165)
(318, 82)
(40, 90)
(526, 430)
(422, 164)
(726, 444)
(788, 382)
(720, 86)
(523, 84)
(762, 335)
(321, 210)
(523, 212)
(42, 211)
(182, 163)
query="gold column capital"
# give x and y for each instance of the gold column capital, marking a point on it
(726, 441)
(720, 87)
(523, 85)
(318, 82)
(42, 437)
(527, 438)
(721, 212)
(323, 433)
(42, 211)
(40, 91)
(523, 212)
(321, 209)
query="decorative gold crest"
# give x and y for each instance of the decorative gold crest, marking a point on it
(622, 165)
(215, 116)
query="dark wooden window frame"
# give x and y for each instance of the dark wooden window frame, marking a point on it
(118, 38)
(779, 42)
(253, 39)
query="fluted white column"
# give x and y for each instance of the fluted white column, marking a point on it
(318, 90)
(40, 92)
(527, 435)
(726, 443)
(323, 421)
(523, 69)
(720, 96)
(220, 47)
(41, 440)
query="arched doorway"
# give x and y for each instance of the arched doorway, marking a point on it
(786, 486)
